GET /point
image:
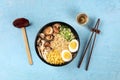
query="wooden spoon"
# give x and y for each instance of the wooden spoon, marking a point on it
(22, 23)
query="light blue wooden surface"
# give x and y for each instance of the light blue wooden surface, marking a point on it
(105, 61)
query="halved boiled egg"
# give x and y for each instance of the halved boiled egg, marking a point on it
(66, 55)
(73, 45)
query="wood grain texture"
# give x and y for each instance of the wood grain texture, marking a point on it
(27, 45)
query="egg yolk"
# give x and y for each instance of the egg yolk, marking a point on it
(67, 55)
(73, 45)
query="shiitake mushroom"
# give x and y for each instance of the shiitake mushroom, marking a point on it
(47, 44)
(56, 28)
(49, 37)
(48, 30)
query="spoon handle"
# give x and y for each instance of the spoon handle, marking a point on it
(26, 45)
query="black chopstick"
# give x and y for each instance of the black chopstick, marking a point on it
(92, 48)
(81, 59)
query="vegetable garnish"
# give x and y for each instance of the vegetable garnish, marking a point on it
(66, 33)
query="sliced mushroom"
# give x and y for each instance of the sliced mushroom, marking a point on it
(47, 44)
(38, 41)
(42, 50)
(47, 49)
(44, 55)
(49, 37)
(56, 28)
(38, 48)
(48, 30)
(40, 44)
(42, 47)
(57, 25)
(42, 35)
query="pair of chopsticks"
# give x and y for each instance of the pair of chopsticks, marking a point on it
(94, 30)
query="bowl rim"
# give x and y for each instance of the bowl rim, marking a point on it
(43, 27)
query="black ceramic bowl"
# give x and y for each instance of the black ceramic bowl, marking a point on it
(50, 24)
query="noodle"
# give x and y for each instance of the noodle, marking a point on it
(59, 43)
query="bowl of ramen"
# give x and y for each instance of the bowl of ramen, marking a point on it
(57, 43)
